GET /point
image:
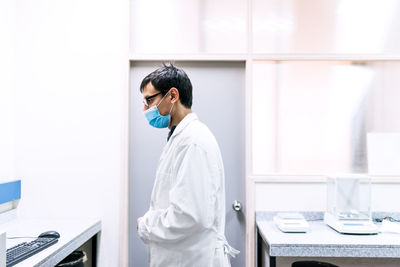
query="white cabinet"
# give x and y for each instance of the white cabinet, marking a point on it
(188, 27)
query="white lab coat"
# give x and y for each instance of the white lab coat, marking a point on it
(185, 224)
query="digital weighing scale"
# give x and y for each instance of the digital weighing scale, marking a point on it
(349, 205)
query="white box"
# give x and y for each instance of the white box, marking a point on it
(291, 222)
(3, 249)
(383, 154)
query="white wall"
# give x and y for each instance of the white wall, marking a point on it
(312, 196)
(7, 86)
(71, 81)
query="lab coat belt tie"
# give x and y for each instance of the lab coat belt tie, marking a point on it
(227, 248)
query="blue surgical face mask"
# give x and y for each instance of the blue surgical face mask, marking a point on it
(154, 117)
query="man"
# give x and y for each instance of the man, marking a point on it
(186, 221)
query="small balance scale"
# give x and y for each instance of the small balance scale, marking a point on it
(291, 222)
(359, 226)
(349, 205)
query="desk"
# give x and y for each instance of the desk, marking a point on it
(323, 242)
(73, 234)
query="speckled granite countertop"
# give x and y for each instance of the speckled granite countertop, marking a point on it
(323, 241)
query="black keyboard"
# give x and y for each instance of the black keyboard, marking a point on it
(24, 250)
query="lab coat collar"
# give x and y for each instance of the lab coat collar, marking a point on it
(184, 122)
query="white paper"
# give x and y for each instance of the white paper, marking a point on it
(383, 154)
(390, 227)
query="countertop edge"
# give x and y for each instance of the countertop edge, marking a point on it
(283, 249)
(69, 247)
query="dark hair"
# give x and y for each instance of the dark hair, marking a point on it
(168, 76)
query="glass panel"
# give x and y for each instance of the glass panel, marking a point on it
(315, 26)
(349, 197)
(178, 26)
(318, 123)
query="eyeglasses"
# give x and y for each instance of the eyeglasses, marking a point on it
(149, 99)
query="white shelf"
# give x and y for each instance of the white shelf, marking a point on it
(262, 57)
(326, 57)
(188, 57)
(304, 178)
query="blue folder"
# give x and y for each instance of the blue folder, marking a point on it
(10, 191)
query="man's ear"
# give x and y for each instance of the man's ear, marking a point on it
(174, 95)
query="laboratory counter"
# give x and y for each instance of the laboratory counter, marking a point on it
(73, 234)
(321, 241)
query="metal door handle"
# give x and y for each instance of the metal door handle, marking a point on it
(237, 206)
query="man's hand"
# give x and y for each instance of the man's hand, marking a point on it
(137, 223)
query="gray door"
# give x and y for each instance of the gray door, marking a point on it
(218, 100)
